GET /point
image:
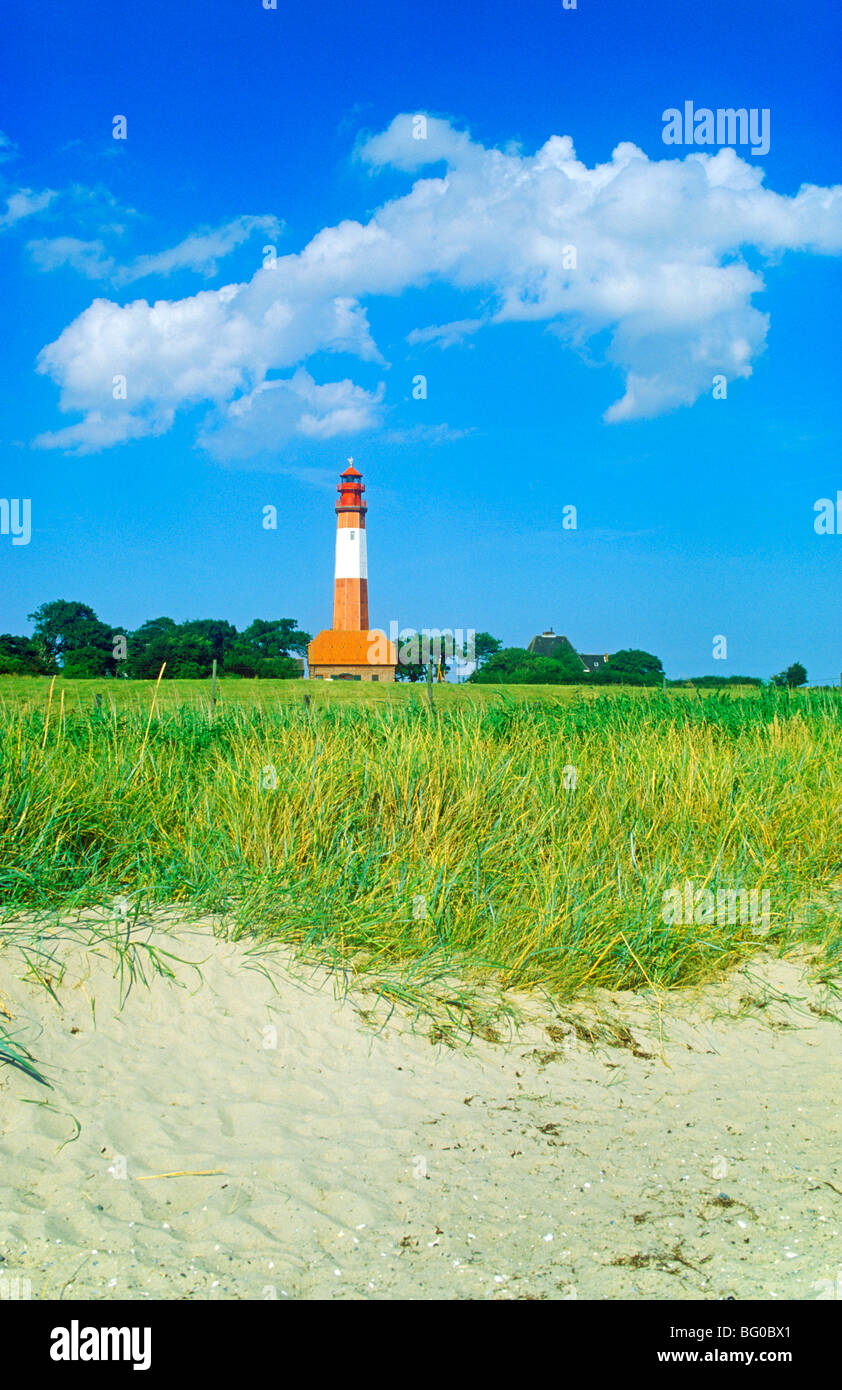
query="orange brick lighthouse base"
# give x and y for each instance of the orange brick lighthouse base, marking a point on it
(349, 651)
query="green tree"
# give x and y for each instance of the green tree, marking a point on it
(71, 636)
(415, 649)
(485, 646)
(630, 666)
(86, 663)
(793, 676)
(188, 656)
(216, 635)
(279, 668)
(409, 667)
(264, 649)
(517, 666)
(275, 637)
(63, 626)
(154, 627)
(153, 641)
(21, 656)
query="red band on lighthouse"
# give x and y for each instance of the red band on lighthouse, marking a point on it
(350, 576)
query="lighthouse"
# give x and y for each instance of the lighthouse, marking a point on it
(349, 650)
(350, 575)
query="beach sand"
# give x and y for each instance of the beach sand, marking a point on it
(359, 1161)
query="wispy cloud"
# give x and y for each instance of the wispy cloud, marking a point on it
(427, 434)
(87, 258)
(200, 252)
(24, 203)
(445, 335)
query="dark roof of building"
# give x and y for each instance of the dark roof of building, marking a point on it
(550, 644)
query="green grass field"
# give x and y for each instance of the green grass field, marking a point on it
(523, 834)
(32, 693)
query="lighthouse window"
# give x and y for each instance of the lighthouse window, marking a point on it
(352, 535)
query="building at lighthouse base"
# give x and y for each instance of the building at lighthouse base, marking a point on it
(351, 656)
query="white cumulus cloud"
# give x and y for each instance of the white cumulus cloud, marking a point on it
(282, 408)
(645, 254)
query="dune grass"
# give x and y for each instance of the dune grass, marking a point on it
(515, 837)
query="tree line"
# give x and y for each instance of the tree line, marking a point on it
(499, 665)
(630, 666)
(517, 666)
(69, 639)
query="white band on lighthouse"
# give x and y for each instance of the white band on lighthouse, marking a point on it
(351, 561)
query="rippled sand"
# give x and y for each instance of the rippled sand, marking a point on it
(568, 1161)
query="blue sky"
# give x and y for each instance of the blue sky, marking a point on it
(292, 128)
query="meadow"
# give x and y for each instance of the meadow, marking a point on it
(32, 692)
(521, 835)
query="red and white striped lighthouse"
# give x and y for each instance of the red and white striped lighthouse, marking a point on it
(350, 575)
(348, 651)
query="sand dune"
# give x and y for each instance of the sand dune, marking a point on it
(354, 1163)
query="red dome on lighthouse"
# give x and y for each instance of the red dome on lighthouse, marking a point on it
(351, 489)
